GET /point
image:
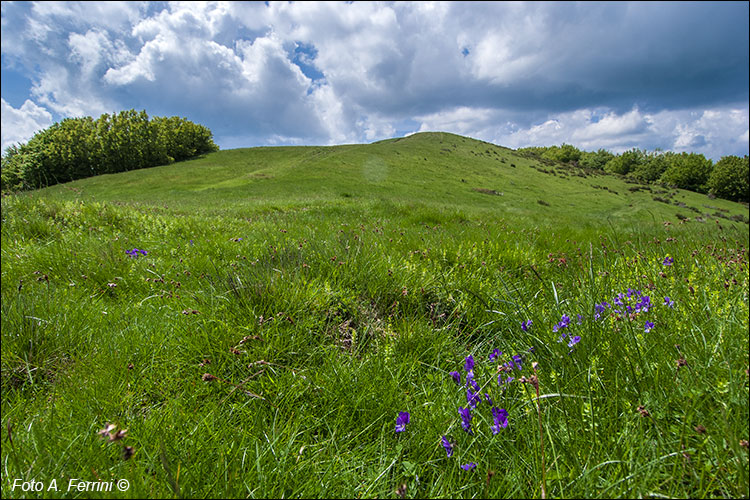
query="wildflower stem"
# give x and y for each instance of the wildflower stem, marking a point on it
(541, 433)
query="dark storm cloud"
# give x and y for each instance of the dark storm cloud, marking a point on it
(667, 73)
(668, 55)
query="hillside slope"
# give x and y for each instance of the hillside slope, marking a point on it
(435, 169)
(253, 324)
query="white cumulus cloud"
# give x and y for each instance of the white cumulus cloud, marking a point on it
(20, 125)
(614, 75)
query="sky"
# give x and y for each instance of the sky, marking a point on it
(612, 75)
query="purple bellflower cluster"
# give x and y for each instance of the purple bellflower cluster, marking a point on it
(135, 252)
(474, 399)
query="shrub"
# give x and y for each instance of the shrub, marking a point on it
(689, 171)
(626, 162)
(562, 154)
(76, 148)
(595, 160)
(652, 168)
(729, 178)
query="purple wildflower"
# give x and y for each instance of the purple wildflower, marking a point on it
(564, 322)
(465, 418)
(500, 417)
(448, 446)
(574, 340)
(644, 305)
(488, 398)
(526, 325)
(134, 252)
(472, 398)
(668, 302)
(495, 354)
(469, 466)
(402, 420)
(456, 376)
(599, 309)
(517, 360)
(471, 382)
(667, 261)
(469, 365)
(648, 327)
(580, 319)
(474, 385)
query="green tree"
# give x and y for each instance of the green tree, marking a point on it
(596, 160)
(537, 151)
(69, 149)
(23, 167)
(689, 171)
(626, 162)
(81, 147)
(730, 178)
(563, 154)
(652, 167)
(10, 172)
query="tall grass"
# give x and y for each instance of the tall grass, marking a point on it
(269, 354)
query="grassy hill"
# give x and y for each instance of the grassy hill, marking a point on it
(438, 170)
(255, 321)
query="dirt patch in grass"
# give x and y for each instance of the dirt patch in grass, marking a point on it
(487, 191)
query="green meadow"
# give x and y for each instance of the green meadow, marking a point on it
(285, 304)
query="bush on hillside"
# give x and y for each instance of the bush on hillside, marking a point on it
(563, 154)
(532, 151)
(595, 160)
(626, 162)
(689, 171)
(76, 148)
(730, 178)
(652, 168)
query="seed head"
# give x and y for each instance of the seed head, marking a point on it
(401, 490)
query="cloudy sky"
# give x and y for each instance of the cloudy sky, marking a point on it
(617, 75)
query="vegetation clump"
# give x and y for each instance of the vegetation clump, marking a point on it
(76, 148)
(727, 179)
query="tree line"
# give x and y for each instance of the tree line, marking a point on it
(728, 178)
(76, 148)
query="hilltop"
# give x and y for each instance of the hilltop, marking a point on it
(433, 169)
